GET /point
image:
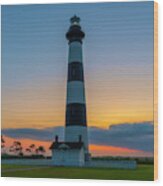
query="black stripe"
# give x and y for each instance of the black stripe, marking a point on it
(74, 39)
(76, 114)
(75, 71)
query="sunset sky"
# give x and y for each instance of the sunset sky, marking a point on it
(118, 65)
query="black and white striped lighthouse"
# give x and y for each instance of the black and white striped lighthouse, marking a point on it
(76, 120)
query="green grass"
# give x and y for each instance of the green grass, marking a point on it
(10, 167)
(143, 172)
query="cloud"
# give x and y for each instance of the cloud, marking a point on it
(138, 136)
(45, 134)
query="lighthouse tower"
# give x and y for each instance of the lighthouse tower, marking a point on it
(76, 120)
(74, 150)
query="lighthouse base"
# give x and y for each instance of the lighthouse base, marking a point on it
(68, 157)
(69, 154)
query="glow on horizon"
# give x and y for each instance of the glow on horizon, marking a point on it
(96, 150)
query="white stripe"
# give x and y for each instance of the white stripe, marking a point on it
(72, 134)
(75, 52)
(75, 92)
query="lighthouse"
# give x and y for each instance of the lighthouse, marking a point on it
(76, 119)
(74, 150)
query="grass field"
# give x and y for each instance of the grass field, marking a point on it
(143, 172)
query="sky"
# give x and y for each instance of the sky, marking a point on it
(117, 57)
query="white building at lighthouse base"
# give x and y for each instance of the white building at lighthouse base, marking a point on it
(68, 153)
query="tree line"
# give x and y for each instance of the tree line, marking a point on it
(17, 149)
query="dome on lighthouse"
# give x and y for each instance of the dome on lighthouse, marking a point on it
(75, 20)
(75, 33)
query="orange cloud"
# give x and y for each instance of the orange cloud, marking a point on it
(102, 150)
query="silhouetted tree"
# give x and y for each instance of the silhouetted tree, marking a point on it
(2, 144)
(41, 149)
(11, 149)
(28, 150)
(37, 151)
(32, 147)
(17, 148)
(21, 154)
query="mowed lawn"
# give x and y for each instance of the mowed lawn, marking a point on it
(143, 172)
